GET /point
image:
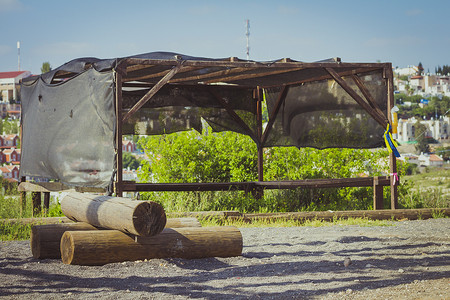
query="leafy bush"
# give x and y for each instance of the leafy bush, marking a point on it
(231, 157)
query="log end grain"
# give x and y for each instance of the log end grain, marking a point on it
(149, 219)
(67, 248)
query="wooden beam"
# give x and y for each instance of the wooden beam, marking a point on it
(385, 214)
(365, 91)
(144, 218)
(233, 114)
(44, 187)
(377, 194)
(45, 239)
(247, 64)
(273, 115)
(153, 91)
(211, 74)
(132, 186)
(160, 74)
(251, 75)
(96, 247)
(380, 119)
(175, 187)
(323, 183)
(259, 99)
(392, 159)
(118, 135)
(327, 76)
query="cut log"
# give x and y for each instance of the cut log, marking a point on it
(144, 218)
(96, 247)
(46, 239)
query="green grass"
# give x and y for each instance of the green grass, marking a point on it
(363, 222)
(10, 208)
(430, 189)
(14, 231)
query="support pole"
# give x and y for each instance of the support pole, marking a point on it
(119, 167)
(392, 159)
(377, 194)
(36, 201)
(259, 191)
(46, 202)
(23, 197)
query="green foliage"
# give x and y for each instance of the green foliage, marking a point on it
(436, 106)
(192, 157)
(444, 70)
(231, 157)
(11, 127)
(130, 161)
(14, 231)
(422, 145)
(46, 67)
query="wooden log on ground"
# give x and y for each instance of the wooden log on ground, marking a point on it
(144, 218)
(45, 239)
(97, 247)
(386, 214)
(36, 221)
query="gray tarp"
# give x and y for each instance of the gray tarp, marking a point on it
(68, 129)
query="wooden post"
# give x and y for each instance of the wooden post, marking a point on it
(45, 239)
(46, 201)
(108, 246)
(119, 166)
(36, 201)
(259, 192)
(131, 216)
(23, 197)
(392, 159)
(377, 194)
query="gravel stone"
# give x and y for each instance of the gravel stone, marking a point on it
(408, 260)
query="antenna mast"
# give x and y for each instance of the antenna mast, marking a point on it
(18, 54)
(247, 34)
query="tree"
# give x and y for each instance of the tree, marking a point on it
(420, 69)
(129, 160)
(422, 145)
(46, 67)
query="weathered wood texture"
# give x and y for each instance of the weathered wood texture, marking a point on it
(144, 218)
(108, 246)
(36, 221)
(45, 239)
(386, 214)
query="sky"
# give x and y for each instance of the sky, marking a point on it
(403, 32)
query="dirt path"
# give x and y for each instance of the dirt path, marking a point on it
(410, 260)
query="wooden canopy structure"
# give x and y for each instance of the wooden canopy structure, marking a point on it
(153, 74)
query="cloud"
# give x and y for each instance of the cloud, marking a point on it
(10, 5)
(413, 12)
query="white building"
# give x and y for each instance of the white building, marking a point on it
(9, 83)
(408, 71)
(437, 129)
(431, 160)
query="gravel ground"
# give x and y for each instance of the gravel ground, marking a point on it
(409, 260)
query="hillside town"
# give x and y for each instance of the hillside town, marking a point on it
(408, 81)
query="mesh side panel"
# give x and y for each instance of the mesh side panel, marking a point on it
(322, 115)
(68, 130)
(182, 108)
